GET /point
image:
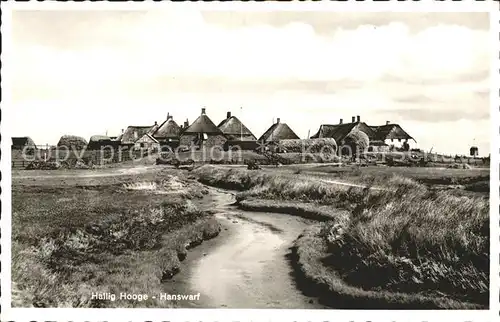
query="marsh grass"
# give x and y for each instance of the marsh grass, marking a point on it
(407, 239)
(69, 242)
(417, 241)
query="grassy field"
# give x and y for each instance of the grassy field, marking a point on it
(425, 175)
(72, 236)
(432, 246)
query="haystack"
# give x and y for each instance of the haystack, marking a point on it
(326, 145)
(357, 140)
(72, 142)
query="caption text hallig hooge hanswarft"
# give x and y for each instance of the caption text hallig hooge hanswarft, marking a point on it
(123, 296)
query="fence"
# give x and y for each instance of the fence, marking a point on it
(88, 157)
(20, 164)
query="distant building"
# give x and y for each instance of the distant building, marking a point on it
(19, 143)
(168, 132)
(381, 137)
(237, 134)
(133, 133)
(22, 145)
(202, 133)
(391, 132)
(278, 131)
(148, 142)
(97, 142)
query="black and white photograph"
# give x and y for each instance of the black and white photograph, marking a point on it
(184, 157)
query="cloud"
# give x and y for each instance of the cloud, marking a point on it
(327, 23)
(185, 45)
(423, 114)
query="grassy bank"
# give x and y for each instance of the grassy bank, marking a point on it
(305, 210)
(69, 240)
(432, 246)
(377, 174)
(324, 281)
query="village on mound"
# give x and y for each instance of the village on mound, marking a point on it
(341, 139)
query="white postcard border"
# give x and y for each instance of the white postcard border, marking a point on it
(60, 314)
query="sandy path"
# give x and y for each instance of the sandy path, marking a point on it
(111, 172)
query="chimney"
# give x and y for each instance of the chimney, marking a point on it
(387, 122)
(156, 123)
(203, 111)
(341, 121)
(186, 124)
(353, 119)
(123, 131)
(278, 120)
(358, 118)
(168, 116)
(228, 114)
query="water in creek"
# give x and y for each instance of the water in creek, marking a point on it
(246, 266)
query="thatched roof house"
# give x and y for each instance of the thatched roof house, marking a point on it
(147, 141)
(134, 133)
(202, 132)
(340, 131)
(168, 130)
(278, 131)
(21, 142)
(99, 138)
(99, 141)
(391, 132)
(235, 130)
(375, 133)
(203, 124)
(72, 142)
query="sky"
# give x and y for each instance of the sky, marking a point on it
(96, 72)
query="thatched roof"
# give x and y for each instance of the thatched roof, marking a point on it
(72, 141)
(23, 141)
(203, 124)
(390, 131)
(235, 130)
(278, 131)
(147, 138)
(99, 138)
(168, 129)
(340, 131)
(133, 133)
